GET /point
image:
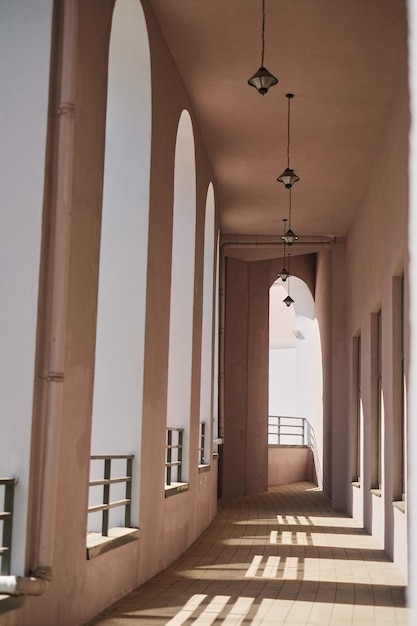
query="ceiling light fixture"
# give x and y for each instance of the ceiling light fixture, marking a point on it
(289, 237)
(288, 176)
(263, 79)
(284, 273)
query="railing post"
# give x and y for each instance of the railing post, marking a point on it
(128, 507)
(106, 497)
(202, 442)
(106, 483)
(7, 517)
(284, 430)
(179, 458)
(169, 455)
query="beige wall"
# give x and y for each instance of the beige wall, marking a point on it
(323, 312)
(287, 464)
(375, 252)
(244, 454)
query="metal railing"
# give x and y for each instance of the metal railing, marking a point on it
(173, 459)
(286, 430)
(7, 485)
(106, 483)
(201, 455)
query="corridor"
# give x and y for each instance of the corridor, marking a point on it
(279, 557)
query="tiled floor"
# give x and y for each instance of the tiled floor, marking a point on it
(281, 557)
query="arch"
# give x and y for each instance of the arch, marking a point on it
(216, 426)
(118, 380)
(295, 362)
(206, 377)
(182, 285)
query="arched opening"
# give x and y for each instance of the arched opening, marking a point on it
(118, 380)
(295, 405)
(182, 295)
(206, 379)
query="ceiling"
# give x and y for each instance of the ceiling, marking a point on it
(341, 59)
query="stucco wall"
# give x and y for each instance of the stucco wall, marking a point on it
(375, 252)
(244, 454)
(287, 464)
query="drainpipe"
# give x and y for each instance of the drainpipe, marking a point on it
(63, 173)
(22, 585)
(222, 319)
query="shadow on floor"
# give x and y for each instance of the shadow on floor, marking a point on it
(279, 557)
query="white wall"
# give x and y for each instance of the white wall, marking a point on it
(24, 68)
(118, 383)
(282, 354)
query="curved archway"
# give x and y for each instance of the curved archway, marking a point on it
(295, 363)
(118, 381)
(182, 286)
(206, 377)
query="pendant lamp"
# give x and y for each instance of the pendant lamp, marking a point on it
(263, 79)
(288, 176)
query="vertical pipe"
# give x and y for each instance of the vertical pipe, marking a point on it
(411, 361)
(63, 174)
(222, 318)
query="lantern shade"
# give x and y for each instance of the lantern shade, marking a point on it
(290, 237)
(288, 177)
(262, 80)
(288, 300)
(283, 274)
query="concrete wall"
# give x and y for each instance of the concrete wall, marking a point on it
(287, 464)
(244, 454)
(375, 253)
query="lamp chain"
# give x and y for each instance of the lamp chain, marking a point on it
(263, 32)
(289, 208)
(285, 243)
(288, 133)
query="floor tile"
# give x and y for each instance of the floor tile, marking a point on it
(282, 557)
